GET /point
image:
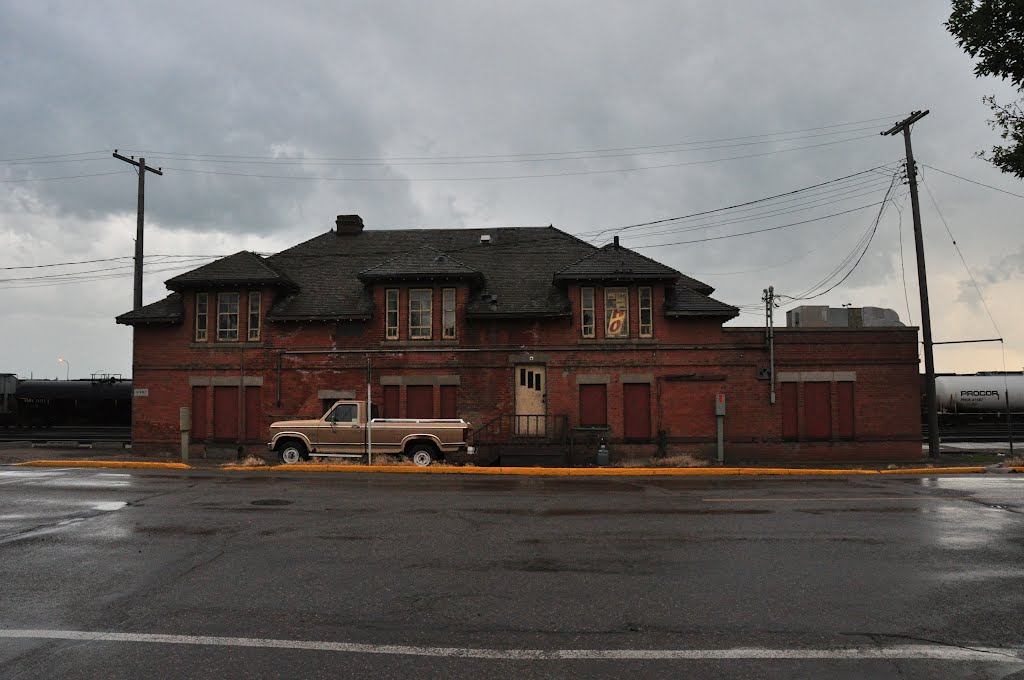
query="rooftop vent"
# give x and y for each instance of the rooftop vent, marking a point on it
(485, 238)
(349, 224)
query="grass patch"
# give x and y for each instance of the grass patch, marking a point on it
(679, 460)
(248, 461)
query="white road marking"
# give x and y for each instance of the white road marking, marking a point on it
(898, 652)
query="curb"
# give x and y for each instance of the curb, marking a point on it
(592, 472)
(105, 464)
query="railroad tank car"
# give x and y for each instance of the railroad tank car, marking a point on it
(45, 403)
(980, 393)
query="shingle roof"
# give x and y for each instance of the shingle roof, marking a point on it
(242, 267)
(167, 310)
(681, 301)
(426, 262)
(614, 262)
(514, 273)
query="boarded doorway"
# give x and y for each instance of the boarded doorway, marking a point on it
(531, 401)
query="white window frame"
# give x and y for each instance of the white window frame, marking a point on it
(588, 329)
(421, 331)
(391, 307)
(448, 331)
(646, 328)
(253, 329)
(202, 328)
(225, 333)
(610, 293)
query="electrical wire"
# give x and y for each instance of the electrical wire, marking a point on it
(46, 179)
(903, 270)
(524, 176)
(511, 155)
(981, 184)
(962, 260)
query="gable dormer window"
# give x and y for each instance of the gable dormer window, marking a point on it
(391, 314)
(646, 312)
(227, 317)
(420, 313)
(587, 311)
(448, 313)
(202, 316)
(616, 312)
(254, 315)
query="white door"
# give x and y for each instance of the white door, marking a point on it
(531, 400)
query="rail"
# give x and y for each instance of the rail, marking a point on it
(508, 428)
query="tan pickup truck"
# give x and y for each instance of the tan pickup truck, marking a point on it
(342, 432)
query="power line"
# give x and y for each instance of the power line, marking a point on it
(903, 270)
(62, 155)
(962, 260)
(46, 179)
(512, 155)
(105, 259)
(734, 206)
(507, 177)
(490, 160)
(981, 184)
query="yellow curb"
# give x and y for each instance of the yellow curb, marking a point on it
(937, 470)
(1016, 468)
(106, 464)
(584, 472)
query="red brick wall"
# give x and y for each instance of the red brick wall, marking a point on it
(688, 362)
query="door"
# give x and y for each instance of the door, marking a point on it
(531, 401)
(225, 412)
(818, 410)
(254, 414)
(636, 410)
(449, 401)
(341, 431)
(199, 413)
(419, 401)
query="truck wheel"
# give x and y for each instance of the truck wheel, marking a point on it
(422, 454)
(292, 452)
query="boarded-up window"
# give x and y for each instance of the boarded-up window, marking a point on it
(818, 410)
(419, 401)
(636, 410)
(199, 413)
(593, 405)
(254, 414)
(616, 312)
(225, 412)
(844, 396)
(449, 401)
(391, 401)
(789, 410)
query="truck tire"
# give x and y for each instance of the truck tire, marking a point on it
(422, 454)
(291, 452)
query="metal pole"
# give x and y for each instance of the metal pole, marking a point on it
(771, 340)
(369, 419)
(1009, 421)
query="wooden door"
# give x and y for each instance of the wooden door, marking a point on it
(225, 412)
(531, 400)
(419, 401)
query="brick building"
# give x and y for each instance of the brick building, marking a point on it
(530, 334)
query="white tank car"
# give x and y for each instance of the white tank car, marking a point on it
(972, 393)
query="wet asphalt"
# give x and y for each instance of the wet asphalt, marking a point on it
(502, 564)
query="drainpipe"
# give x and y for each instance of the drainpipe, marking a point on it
(241, 400)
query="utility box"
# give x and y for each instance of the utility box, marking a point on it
(719, 404)
(185, 419)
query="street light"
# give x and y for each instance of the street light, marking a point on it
(66, 363)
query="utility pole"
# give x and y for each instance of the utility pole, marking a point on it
(769, 319)
(922, 282)
(142, 169)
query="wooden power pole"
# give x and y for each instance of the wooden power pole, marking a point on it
(922, 283)
(142, 169)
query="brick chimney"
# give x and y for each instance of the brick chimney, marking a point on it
(349, 224)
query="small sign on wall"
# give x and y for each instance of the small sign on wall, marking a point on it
(140, 392)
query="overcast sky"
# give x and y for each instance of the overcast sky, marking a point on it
(445, 81)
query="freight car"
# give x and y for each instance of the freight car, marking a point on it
(47, 403)
(979, 393)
